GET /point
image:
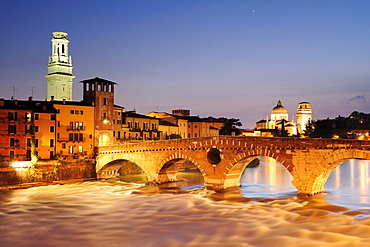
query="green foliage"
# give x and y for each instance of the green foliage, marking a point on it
(328, 128)
(230, 127)
(283, 132)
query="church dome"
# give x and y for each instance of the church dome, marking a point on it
(279, 109)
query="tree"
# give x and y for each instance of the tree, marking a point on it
(328, 128)
(283, 132)
(230, 127)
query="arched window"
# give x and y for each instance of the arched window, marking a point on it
(104, 140)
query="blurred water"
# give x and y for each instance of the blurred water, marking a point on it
(263, 212)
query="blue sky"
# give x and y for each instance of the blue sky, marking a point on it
(233, 58)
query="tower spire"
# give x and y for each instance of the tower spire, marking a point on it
(59, 77)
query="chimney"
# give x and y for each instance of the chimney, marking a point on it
(64, 101)
(52, 98)
(2, 101)
(30, 98)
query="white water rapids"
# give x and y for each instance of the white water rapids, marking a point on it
(115, 213)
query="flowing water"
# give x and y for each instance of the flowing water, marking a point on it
(264, 211)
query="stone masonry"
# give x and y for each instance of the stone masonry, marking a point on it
(222, 159)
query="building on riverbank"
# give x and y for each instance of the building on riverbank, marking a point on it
(188, 126)
(24, 124)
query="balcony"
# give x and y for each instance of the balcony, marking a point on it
(81, 128)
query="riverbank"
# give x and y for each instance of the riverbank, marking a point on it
(47, 172)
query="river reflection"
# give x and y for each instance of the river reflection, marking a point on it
(347, 186)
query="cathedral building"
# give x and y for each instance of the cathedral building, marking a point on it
(59, 77)
(279, 119)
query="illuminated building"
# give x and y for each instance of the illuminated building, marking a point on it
(25, 125)
(279, 119)
(75, 129)
(59, 77)
(100, 94)
(304, 115)
(138, 127)
(188, 126)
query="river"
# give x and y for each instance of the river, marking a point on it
(264, 211)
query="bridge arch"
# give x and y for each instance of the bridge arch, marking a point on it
(332, 161)
(111, 169)
(171, 165)
(236, 169)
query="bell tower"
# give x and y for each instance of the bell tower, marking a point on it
(59, 69)
(304, 115)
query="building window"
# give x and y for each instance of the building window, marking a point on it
(129, 124)
(145, 126)
(36, 128)
(70, 149)
(76, 137)
(28, 117)
(12, 129)
(28, 154)
(80, 149)
(104, 101)
(29, 144)
(37, 116)
(114, 133)
(36, 143)
(51, 154)
(154, 126)
(28, 129)
(63, 145)
(51, 143)
(58, 123)
(195, 135)
(72, 111)
(53, 117)
(12, 142)
(81, 112)
(189, 135)
(51, 129)
(11, 154)
(12, 116)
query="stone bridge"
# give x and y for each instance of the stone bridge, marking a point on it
(222, 159)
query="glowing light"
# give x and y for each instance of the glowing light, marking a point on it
(21, 164)
(105, 121)
(335, 137)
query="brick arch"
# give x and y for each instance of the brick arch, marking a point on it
(167, 171)
(236, 169)
(336, 158)
(110, 170)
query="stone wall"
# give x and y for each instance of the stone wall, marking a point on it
(47, 172)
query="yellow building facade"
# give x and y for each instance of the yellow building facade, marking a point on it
(75, 129)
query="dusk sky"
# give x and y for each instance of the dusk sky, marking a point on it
(233, 58)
